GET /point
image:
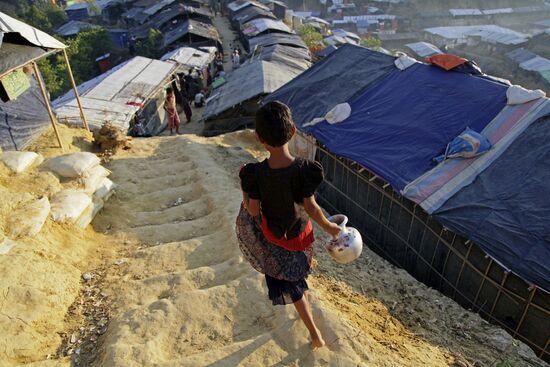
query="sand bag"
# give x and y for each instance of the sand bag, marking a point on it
(89, 213)
(27, 220)
(6, 245)
(68, 205)
(20, 161)
(105, 190)
(73, 165)
(94, 178)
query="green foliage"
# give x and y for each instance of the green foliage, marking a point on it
(152, 46)
(371, 42)
(83, 50)
(310, 36)
(42, 15)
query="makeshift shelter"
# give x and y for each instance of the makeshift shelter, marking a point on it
(250, 13)
(238, 5)
(270, 39)
(192, 33)
(190, 58)
(233, 105)
(24, 104)
(297, 58)
(475, 229)
(424, 49)
(117, 96)
(72, 28)
(263, 25)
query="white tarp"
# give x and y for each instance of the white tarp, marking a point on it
(537, 63)
(489, 33)
(191, 57)
(31, 34)
(424, 49)
(116, 95)
(257, 26)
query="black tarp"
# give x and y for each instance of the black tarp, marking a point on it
(338, 78)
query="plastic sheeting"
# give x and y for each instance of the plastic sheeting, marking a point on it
(506, 210)
(276, 39)
(336, 79)
(30, 34)
(406, 119)
(24, 119)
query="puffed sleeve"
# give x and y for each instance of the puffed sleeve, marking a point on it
(249, 183)
(312, 176)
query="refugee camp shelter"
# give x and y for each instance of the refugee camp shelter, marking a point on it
(297, 58)
(192, 33)
(249, 13)
(25, 111)
(238, 5)
(117, 96)
(72, 28)
(232, 106)
(190, 58)
(424, 49)
(474, 228)
(264, 25)
(270, 39)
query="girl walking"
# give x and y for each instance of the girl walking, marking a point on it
(170, 107)
(273, 227)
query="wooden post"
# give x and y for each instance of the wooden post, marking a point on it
(47, 102)
(84, 121)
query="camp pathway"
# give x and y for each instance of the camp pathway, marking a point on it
(184, 296)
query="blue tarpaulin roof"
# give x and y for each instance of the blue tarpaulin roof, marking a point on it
(398, 125)
(506, 210)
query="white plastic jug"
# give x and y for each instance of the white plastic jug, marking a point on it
(349, 244)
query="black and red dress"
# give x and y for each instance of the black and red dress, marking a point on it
(279, 242)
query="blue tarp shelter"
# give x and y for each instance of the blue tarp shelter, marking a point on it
(401, 119)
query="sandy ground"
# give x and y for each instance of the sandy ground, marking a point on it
(169, 286)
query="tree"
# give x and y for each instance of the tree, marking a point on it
(371, 42)
(310, 36)
(151, 46)
(42, 15)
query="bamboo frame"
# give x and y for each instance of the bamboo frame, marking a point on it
(47, 103)
(70, 72)
(369, 182)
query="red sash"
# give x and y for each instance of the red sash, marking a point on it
(298, 243)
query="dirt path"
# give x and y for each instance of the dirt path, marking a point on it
(184, 296)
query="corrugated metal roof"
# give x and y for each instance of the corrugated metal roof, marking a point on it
(247, 82)
(31, 34)
(464, 12)
(257, 26)
(537, 63)
(339, 40)
(250, 13)
(157, 7)
(424, 49)
(316, 20)
(297, 58)
(106, 97)
(191, 57)
(343, 33)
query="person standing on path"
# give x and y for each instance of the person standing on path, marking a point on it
(273, 228)
(170, 107)
(236, 59)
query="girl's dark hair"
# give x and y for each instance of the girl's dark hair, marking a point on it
(169, 90)
(274, 124)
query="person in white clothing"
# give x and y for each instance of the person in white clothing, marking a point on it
(199, 99)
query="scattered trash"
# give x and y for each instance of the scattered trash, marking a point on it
(87, 276)
(179, 201)
(119, 262)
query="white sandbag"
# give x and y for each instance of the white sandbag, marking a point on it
(20, 161)
(89, 213)
(68, 205)
(27, 220)
(105, 190)
(94, 178)
(73, 165)
(6, 245)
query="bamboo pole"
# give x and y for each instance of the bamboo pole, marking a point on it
(47, 102)
(69, 70)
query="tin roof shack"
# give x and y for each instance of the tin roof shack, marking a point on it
(131, 88)
(238, 5)
(192, 33)
(73, 27)
(270, 39)
(188, 58)
(424, 49)
(110, 10)
(474, 35)
(25, 110)
(232, 106)
(249, 13)
(260, 27)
